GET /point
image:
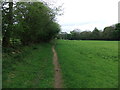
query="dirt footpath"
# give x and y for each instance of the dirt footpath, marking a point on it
(58, 76)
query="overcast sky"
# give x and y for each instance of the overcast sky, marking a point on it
(88, 14)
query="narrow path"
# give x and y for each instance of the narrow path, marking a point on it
(58, 77)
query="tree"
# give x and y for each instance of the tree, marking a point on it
(117, 31)
(95, 34)
(30, 22)
(85, 35)
(8, 26)
(75, 34)
(63, 35)
(108, 33)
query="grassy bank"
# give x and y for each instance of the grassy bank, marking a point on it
(88, 64)
(29, 67)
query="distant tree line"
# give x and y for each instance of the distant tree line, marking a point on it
(28, 23)
(109, 33)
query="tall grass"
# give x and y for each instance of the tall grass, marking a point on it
(29, 67)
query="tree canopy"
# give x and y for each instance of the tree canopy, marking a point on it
(108, 33)
(30, 22)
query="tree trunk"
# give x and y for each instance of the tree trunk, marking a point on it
(6, 37)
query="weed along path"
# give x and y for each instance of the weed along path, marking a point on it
(58, 77)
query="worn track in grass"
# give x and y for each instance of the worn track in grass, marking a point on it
(58, 77)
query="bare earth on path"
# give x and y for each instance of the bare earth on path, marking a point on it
(58, 77)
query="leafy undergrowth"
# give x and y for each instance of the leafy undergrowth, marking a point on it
(28, 67)
(88, 64)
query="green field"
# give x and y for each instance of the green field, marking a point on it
(31, 68)
(84, 64)
(88, 64)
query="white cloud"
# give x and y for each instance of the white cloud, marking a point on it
(87, 14)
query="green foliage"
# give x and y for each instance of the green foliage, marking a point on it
(75, 34)
(37, 24)
(88, 64)
(32, 22)
(117, 32)
(86, 35)
(109, 33)
(95, 34)
(7, 23)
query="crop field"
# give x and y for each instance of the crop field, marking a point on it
(88, 64)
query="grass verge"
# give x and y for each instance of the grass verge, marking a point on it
(29, 67)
